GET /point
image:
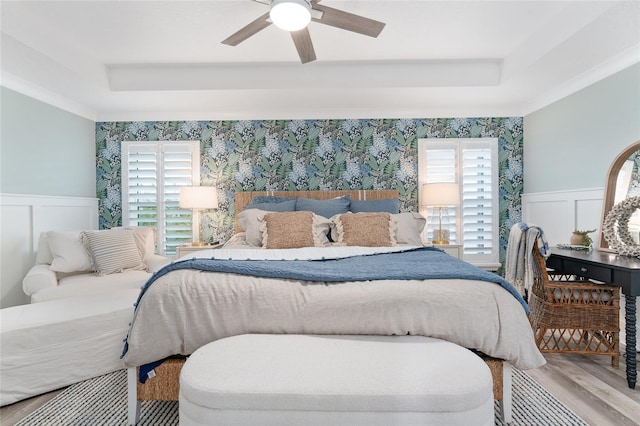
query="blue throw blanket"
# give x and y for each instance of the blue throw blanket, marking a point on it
(415, 264)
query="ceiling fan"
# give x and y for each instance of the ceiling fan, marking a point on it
(305, 11)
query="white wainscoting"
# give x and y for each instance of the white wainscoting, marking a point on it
(22, 219)
(559, 213)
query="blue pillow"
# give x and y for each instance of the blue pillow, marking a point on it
(324, 208)
(386, 205)
(285, 206)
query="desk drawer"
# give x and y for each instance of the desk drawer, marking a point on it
(587, 270)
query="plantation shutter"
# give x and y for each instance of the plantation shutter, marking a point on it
(473, 163)
(151, 181)
(440, 166)
(478, 200)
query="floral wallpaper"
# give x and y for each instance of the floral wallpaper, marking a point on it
(308, 155)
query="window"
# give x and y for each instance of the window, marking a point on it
(473, 163)
(152, 174)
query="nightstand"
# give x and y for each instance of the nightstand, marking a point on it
(189, 248)
(454, 250)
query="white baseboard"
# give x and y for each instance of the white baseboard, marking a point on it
(22, 219)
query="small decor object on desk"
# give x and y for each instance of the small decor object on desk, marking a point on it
(622, 243)
(582, 238)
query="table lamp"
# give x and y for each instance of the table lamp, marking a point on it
(441, 195)
(198, 198)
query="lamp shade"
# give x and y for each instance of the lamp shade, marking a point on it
(441, 194)
(198, 197)
(290, 15)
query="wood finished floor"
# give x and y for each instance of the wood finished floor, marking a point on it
(588, 385)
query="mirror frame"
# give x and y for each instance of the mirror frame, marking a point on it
(610, 187)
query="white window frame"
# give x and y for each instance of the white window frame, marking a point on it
(490, 261)
(159, 147)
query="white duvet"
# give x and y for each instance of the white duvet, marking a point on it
(187, 309)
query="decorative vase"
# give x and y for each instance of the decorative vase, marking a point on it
(577, 239)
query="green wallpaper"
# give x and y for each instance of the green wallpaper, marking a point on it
(308, 155)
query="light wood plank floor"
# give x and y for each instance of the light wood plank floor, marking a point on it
(588, 385)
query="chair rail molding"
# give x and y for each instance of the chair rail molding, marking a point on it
(559, 213)
(22, 218)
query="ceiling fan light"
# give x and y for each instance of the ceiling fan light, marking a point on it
(290, 15)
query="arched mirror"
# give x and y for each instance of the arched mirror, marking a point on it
(623, 180)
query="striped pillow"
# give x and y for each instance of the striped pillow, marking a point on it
(113, 251)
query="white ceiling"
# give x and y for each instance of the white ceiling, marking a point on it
(156, 60)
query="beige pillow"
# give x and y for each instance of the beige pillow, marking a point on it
(113, 250)
(145, 237)
(409, 226)
(366, 229)
(294, 230)
(69, 254)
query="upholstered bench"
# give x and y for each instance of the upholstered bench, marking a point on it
(49, 345)
(338, 380)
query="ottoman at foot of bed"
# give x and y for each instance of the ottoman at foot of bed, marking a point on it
(318, 380)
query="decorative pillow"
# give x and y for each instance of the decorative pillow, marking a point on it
(145, 237)
(388, 205)
(284, 206)
(294, 230)
(324, 208)
(366, 229)
(69, 254)
(113, 250)
(409, 226)
(44, 255)
(249, 220)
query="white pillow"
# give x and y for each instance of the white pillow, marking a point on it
(251, 220)
(409, 226)
(113, 250)
(69, 254)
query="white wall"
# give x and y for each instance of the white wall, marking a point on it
(45, 150)
(559, 213)
(47, 182)
(22, 219)
(571, 143)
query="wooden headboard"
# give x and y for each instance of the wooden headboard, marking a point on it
(244, 198)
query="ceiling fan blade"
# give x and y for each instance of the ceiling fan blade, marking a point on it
(247, 31)
(304, 46)
(348, 21)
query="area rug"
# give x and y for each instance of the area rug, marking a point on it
(103, 401)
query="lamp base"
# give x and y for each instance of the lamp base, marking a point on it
(199, 243)
(440, 236)
(440, 242)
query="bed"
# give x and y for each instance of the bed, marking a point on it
(298, 286)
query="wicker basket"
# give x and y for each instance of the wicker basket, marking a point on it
(165, 386)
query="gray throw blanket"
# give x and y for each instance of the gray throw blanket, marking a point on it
(519, 262)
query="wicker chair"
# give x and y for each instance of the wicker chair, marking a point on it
(572, 316)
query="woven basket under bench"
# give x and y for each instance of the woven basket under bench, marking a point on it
(165, 385)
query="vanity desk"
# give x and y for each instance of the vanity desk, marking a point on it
(621, 271)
